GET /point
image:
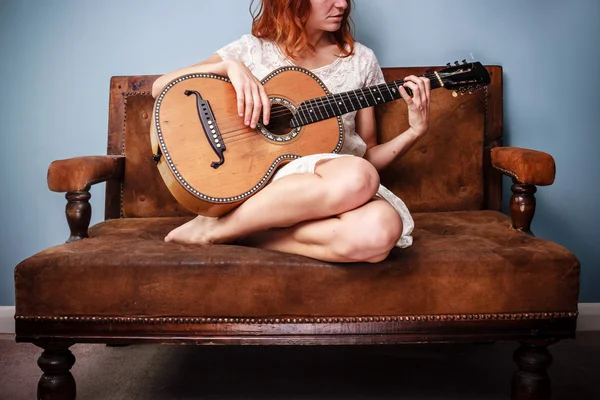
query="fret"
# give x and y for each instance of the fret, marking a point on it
(372, 95)
(310, 112)
(299, 114)
(360, 98)
(337, 103)
(355, 100)
(314, 101)
(328, 108)
(352, 104)
(366, 98)
(387, 90)
(398, 88)
(383, 100)
(396, 93)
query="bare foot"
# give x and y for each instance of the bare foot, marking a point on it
(197, 231)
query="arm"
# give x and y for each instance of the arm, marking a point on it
(75, 176)
(212, 65)
(251, 95)
(381, 155)
(527, 168)
(80, 173)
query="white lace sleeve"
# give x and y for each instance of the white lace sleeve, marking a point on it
(237, 50)
(373, 74)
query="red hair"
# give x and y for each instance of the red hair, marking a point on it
(283, 21)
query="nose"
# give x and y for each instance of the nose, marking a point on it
(341, 4)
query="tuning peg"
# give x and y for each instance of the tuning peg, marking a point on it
(456, 63)
(465, 62)
(448, 65)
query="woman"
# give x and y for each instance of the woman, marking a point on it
(327, 206)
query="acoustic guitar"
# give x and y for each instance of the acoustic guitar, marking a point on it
(212, 162)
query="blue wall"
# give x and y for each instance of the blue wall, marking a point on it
(58, 57)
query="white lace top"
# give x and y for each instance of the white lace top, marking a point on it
(357, 71)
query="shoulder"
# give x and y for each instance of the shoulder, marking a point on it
(250, 40)
(363, 52)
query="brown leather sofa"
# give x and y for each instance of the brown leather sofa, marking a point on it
(473, 273)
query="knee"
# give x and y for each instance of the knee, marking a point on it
(376, 235)
(356, 185)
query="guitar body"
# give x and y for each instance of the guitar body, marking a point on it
(210, 160)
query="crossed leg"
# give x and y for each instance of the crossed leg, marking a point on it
(367, 233)
(327, 215)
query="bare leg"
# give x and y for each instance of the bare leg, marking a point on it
(338, 185)
(367, 233)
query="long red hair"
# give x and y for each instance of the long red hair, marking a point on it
(283, 21)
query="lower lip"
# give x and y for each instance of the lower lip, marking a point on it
(336, 18)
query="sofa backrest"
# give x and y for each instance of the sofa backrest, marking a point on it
(447, 170)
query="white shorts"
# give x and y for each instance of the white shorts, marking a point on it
(307, 165)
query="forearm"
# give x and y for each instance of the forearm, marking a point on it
(218, 68)
(384, 154)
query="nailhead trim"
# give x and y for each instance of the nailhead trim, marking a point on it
(322, 320)
(126, 96)
(509, 173)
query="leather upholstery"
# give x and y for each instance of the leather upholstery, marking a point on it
(526, 166)
(461, 262)
(79, 173)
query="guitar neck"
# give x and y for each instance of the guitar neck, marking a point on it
(333, 105)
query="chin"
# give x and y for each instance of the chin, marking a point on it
(332, 27)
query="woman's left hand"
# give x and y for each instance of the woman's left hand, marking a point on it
(418, 104)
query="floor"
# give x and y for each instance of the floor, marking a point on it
(441, 371)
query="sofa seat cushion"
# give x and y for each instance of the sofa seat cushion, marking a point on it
(460, 263)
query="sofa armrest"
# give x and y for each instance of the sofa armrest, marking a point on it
(75, 176)
(78, 174)
(527, 168)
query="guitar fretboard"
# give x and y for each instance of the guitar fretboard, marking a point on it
(337, 104)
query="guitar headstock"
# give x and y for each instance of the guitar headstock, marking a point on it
(465, 77)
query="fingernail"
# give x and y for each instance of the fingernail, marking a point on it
(241, 114)
(247, 122)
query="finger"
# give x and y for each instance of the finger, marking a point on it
(240, 100)
(422, 92)
(416, 93)
(257, 106)
(266, 104)
(249, 103)
(427, 83)
(406, 96)
(424, 87)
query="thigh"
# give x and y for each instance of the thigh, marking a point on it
(345, 166)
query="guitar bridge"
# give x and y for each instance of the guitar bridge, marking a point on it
(209, 125)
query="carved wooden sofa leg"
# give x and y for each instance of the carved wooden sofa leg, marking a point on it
(531, 381)
(56, 383)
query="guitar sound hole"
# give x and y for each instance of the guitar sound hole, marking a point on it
(280, 120)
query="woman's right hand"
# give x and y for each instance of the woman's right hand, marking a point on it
(251, 95)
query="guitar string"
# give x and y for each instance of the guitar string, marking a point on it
(322, 105)
(330, 97)
(245, 132)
